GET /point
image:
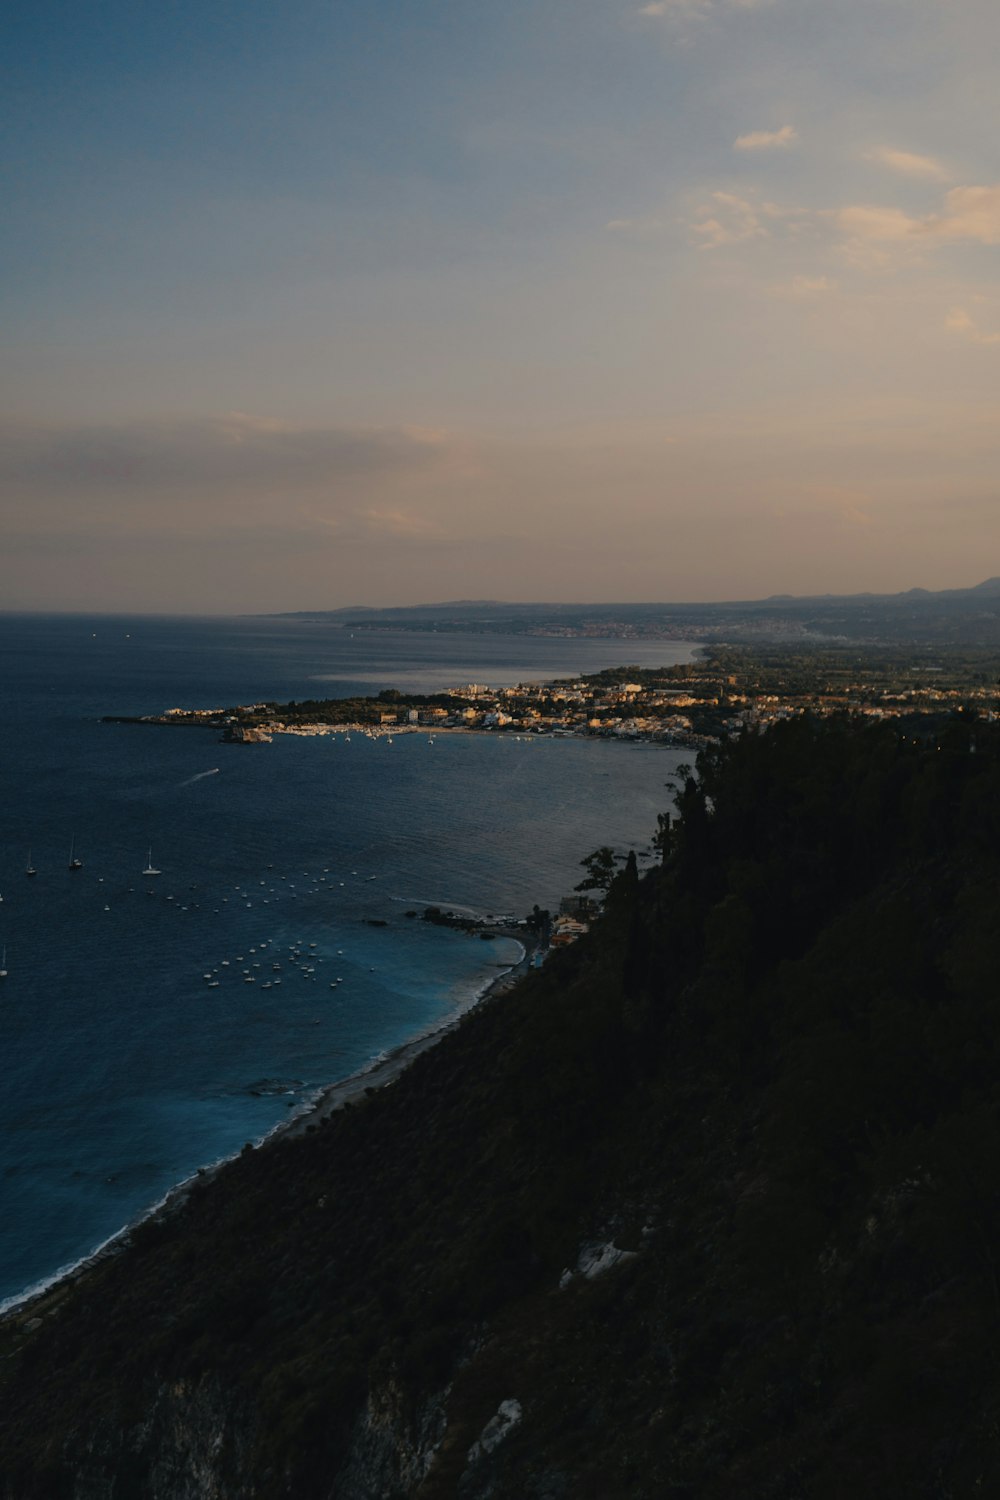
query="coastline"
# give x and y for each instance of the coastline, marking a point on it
(265, 734)
(385, 1069)
(381, 1071)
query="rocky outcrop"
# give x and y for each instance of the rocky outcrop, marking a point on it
(241, 734)
(194, 1440)
(393, 1445)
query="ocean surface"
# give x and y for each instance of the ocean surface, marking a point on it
(133, 1047)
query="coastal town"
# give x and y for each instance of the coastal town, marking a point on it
(727, 690)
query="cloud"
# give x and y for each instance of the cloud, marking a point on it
(658, 8)
(802, 288)
(199, 455)
(766, 140)
(402, 524)
(971, 214)
(907, 162)
(735, 219)
(880, 237)
(641, 228)
(873, 236)
(959, 321)
(729, 219)
(672, 7)
(869, 222)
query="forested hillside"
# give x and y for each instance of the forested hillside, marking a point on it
(759, 1105)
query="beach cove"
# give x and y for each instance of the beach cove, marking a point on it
(126, 1071)
(36, 1302)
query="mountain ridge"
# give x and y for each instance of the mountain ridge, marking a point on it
(950, 617)
(989, 586)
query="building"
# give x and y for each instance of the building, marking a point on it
(578, 905)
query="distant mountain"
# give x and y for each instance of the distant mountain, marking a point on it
(957, 617)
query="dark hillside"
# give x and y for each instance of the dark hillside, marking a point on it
(760, 1104)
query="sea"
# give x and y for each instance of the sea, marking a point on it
(150, 1025)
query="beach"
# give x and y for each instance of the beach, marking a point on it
(145, 1028)
(386, 1070)
(37, 1302)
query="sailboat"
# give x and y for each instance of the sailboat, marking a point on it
(74, 863)
(29, 868)
(149, 870)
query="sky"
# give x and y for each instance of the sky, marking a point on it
(398, 301)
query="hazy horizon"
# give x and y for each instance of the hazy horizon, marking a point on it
(429, 604)
(568, 300)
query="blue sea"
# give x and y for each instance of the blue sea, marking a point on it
(134, 1047)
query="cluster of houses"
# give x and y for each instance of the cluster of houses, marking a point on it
(574, 918)
(575, 708)
(692, 710)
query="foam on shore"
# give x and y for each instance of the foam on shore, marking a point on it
(382, 1069)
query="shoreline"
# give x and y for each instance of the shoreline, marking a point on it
(266, 733)
(378, 1073)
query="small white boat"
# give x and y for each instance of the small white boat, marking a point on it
(74, 863)
(150, 869)
(3, 963)
(29, 868)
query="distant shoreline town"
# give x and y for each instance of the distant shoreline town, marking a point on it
(961, 617)
(728, 690)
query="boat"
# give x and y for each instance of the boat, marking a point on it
(74, 863)
(29, 868)
(3, 963)
(149, 870)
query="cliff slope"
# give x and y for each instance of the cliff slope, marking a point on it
(707, 1207)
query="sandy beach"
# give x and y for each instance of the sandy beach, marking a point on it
(386, 1070)
(35, 1302)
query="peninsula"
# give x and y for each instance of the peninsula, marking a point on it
(728, 689)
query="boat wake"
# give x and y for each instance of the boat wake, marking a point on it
(200, 777)
(441, 904)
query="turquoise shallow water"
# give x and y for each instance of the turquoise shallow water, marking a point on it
(124, 1067)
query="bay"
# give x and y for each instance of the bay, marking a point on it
(124, 1067)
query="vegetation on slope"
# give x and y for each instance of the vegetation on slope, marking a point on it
(771, 1072)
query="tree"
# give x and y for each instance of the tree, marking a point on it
(661, 838)
(600, 868)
